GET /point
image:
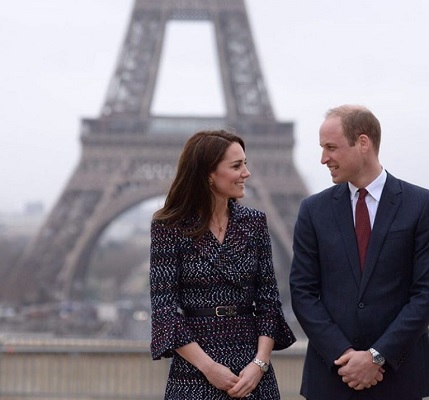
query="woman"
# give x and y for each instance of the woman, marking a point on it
(215, 301)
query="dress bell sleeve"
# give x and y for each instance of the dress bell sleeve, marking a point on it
(169, 329)
(270, 317)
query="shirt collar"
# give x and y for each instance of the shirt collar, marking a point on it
(375, 188)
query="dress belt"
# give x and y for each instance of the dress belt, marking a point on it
(219, 311)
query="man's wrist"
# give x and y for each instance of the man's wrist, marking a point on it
(377, 358)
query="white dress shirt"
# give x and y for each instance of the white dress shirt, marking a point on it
(372, 199)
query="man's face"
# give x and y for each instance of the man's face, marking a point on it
(344, 161)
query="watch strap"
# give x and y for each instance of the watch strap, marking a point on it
(261, 364)
(377, 358)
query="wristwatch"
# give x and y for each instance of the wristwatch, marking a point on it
(377, 358)
(263, 365)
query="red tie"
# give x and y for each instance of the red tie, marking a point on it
(363, 226)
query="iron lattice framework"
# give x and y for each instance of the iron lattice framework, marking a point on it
(129, 155)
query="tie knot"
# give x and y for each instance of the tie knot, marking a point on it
(362, 193)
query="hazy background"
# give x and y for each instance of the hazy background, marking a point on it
(57, 58)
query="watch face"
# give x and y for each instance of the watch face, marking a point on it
(264, 366)
(378, 359)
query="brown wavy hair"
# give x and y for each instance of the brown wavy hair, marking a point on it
(190, 192)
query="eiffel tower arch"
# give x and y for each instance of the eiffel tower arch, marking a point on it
(129, 155)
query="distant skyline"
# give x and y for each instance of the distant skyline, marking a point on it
(59, 57)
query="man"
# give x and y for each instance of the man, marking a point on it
(364, 309)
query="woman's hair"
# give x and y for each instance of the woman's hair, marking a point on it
(357, 120)
(190, 192)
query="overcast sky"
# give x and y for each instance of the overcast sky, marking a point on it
(57, 58)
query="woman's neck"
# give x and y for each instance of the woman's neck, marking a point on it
(219, 220)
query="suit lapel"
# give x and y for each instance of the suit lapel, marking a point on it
(343, 215)
(389, 204)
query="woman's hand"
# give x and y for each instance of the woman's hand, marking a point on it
(221, 377)
(249, 379)
(217, 374)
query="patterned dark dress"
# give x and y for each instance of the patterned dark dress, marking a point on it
(186, 273)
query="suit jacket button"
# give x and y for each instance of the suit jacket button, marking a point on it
(361, 305)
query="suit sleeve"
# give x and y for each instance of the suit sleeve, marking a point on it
(305, 282)
(413, 318)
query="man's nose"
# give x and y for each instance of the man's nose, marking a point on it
(324, 158)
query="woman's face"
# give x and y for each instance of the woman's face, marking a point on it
(231, 173)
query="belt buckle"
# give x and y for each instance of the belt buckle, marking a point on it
(229, 311)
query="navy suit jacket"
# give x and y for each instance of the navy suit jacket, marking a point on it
(385, 307)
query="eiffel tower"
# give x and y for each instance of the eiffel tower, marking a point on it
(129, 155)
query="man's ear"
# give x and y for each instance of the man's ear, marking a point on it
(364, 142)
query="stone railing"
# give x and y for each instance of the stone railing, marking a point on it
(52, 369)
